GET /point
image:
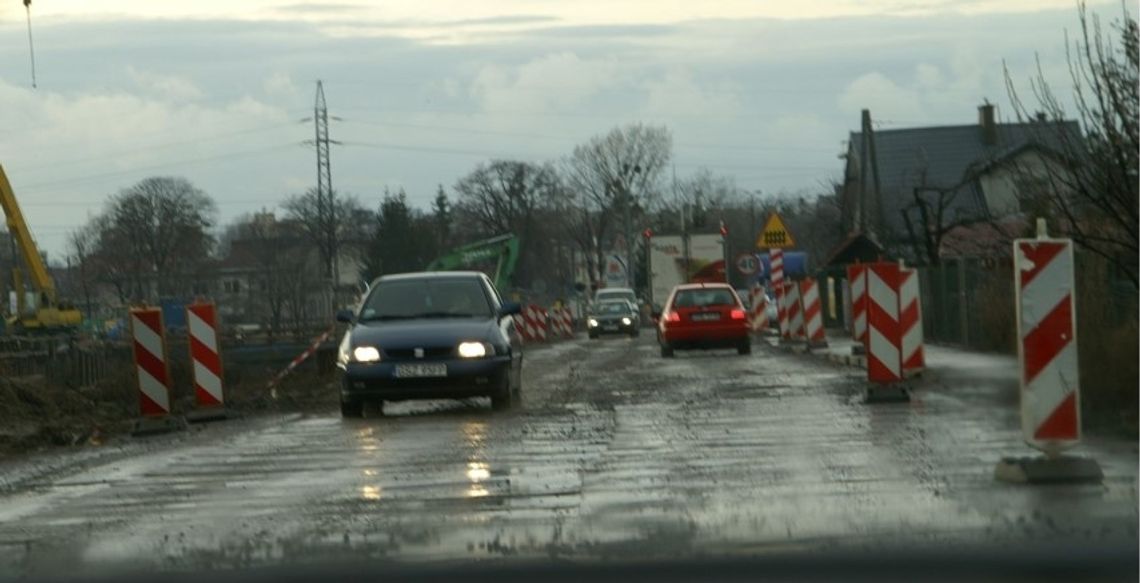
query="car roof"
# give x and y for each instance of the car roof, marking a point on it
(685, 286)
(432, 275)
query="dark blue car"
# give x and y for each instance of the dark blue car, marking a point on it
(438, 335)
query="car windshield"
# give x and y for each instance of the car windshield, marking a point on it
(610, 308)
(427, 298)
(703, 298)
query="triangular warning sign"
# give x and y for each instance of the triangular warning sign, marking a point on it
(775, 234)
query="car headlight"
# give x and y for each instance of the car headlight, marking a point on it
(366, 354)
(626, 321)
(475, 349)
(592, 323)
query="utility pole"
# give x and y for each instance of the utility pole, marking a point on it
(326, 207)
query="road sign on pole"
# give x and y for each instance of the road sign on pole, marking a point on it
(747, 264)
(775, 234)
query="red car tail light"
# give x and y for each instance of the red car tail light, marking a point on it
(737, 314)
(673, 317)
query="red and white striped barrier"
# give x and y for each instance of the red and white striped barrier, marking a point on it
(561, 323)
(151, 366)
(312, 349)
(534, 323)
(758, 300)
(205, 355)
(910, 319)
(1047, 346)
(793, 305)
(567, 322)
(857, 276)
(884, 338)
(776, 256)
(813, 313)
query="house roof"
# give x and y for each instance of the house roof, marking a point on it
(942, 157)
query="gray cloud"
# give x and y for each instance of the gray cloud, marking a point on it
(318, 8)
(766, 101)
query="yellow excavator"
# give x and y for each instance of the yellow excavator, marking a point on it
(47, 314)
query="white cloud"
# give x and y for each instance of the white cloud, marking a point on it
(169, 87)
(553, 82)
(885, 98)
(677, 93)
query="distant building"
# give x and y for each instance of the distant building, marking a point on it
(971, 179)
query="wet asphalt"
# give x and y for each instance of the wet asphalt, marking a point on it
(615, 453)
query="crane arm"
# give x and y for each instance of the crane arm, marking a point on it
(18, 228)
(504, 249)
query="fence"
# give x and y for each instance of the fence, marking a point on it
(67, 362)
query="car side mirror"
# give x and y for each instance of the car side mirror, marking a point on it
(510, 309)
(344, 316)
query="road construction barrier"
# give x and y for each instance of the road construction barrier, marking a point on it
(310, 351)
(884, 354)
(793, 305)
(758, 301)
(1047, 343)
(776, 257)
(910, 319)
(857, 276)
(812, 313)
(151, 366)
(561, 323)
(534, 323)
(205, 356)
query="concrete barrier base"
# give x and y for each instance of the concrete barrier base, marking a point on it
(1045, 470)
(211, 414)
(897, 393)
(156, 425)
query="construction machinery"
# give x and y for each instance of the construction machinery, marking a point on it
(503, 250)
(45, 313)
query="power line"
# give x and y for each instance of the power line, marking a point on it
(159, 146)
(206, 159)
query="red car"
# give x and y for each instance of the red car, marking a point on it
(703, 315)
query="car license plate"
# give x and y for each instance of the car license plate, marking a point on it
(610, 327)
(706, 316)
(411, 371)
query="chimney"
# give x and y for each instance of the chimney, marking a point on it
(987, 124)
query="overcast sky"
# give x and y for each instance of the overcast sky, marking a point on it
(215, 90)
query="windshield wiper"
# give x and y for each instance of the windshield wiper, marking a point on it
(386, 317)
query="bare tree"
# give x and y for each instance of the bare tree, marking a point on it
(1093, 194)
(616, 174)
(506, 196)
(342, 231)
(153, 237)
(83, 243)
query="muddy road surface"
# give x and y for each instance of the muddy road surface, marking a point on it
(614, 453)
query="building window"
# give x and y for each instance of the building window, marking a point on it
(232, 286)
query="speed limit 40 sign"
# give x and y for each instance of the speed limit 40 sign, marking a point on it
(747, 264)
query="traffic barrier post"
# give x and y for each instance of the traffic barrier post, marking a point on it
(206, 363)
(910, 318)
(884, 334)
(152, 372)
(776, 258)
(1045, 303)
(758, 301)
(857, 276)
(812, 314)
(793, 305)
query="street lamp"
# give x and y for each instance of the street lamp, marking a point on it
(618, 186)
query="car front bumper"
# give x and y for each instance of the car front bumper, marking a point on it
(465, 378)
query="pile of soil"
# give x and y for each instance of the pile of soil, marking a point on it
(35, 414)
